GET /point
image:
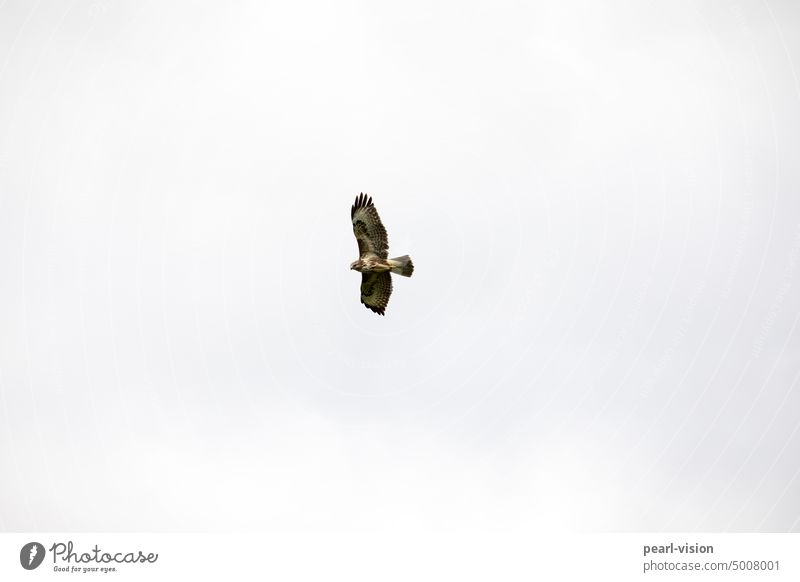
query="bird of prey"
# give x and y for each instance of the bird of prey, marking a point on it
(372, 263)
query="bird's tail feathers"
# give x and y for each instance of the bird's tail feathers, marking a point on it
(402, 265)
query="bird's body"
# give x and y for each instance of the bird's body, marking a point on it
(373, 262)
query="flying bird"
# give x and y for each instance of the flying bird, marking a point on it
(372, 263)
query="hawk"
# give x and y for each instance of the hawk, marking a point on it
(372, 263)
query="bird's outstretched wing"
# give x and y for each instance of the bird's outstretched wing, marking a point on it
(375, 290)
(367, 226)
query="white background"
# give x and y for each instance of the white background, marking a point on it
(601, 201)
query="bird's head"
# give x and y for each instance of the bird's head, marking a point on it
(354, 265)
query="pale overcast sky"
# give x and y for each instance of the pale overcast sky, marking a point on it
(602, 201)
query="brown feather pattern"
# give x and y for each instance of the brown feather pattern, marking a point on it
(375, 290)
(368, 228)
